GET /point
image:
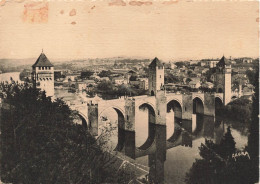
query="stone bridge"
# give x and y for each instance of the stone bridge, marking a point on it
(187, 109)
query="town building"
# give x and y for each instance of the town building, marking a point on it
(81, 86)
(119, 80)
(247, 60)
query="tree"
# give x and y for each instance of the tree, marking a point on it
(133, 78)
(41, 144)
(180, 64)
(251, 76)
(253, 138)
(86, 74)
(209, 73)
(239, 110)
(188, 80)
(105, 86)
(170, 78)
(220, 163)
(227, 145)
(123, 90)
(105, 73)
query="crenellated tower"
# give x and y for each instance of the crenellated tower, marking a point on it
(156, 76)
(43, 75)
(222, 80)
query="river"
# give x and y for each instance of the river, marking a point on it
(178, 159)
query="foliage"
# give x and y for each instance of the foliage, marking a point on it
(86, 74)
(109, 91)
(188, 80)
(209, 73)
(240, 110)
(133, 78)
(253, 138)
(180, 64)
(227, 145)
(170, 78)
(219, 165)
(41, 144)
(105, 73)
(106, 86)
(251, 76)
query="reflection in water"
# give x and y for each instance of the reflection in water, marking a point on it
(170, 166)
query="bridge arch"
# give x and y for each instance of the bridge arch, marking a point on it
(234, 96)
(220, 96)
(220, 90)
(116, 108)
(176, 100)
(198, 109)
(84, 119)
(151, 126)
(198, 106)
(218, 105)
(173, 117)
(111, 123)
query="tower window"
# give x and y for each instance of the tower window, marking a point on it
(160, 76)
(42, 68)
(39, 68)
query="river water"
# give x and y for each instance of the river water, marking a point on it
(178, 159)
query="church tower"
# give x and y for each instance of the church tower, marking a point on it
(156, 76)
(222, 79)
(43, 75)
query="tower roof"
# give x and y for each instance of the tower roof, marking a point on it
(42, 61)
(155, 62)
(223, 61)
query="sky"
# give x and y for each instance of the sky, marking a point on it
(170, 30)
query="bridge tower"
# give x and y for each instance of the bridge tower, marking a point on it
(156, 76)
(43, 75)
(222, 79)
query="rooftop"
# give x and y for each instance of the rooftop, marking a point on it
(155, 62)
(223, 61)
(42, 61)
